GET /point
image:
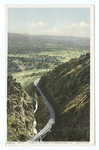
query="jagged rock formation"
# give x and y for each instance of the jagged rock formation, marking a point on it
(20, 113)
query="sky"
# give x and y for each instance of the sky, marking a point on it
(50, 21)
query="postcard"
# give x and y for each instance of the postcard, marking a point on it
(50, 75)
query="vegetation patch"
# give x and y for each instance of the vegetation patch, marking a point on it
(67, 88)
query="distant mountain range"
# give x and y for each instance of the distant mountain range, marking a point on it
(79, 40)
(21, 41)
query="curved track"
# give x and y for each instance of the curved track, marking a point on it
(51, 121)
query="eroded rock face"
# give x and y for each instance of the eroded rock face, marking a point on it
(20, 114)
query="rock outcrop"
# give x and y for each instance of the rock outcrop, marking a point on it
(20, 113)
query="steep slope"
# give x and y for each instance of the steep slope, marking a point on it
(20, 113)
(42, 113)
(67, 88)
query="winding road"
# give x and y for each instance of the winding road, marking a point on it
(39, 136)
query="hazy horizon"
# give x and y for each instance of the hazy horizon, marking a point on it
(50, 21)
(49, 35)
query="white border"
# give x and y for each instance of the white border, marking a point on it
(2, 73)
(92, 73)
(92, 97)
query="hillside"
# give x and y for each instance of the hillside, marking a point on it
(20, 113)
(23, 44)
(38, 54)
(67, 88)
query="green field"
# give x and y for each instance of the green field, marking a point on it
(27, 77)
(29, 57)
(67, 54)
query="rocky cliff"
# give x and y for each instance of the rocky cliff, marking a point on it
(20, 113)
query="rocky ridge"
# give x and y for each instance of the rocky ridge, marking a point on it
(20, 113)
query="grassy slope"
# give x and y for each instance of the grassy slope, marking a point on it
(68, 90)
